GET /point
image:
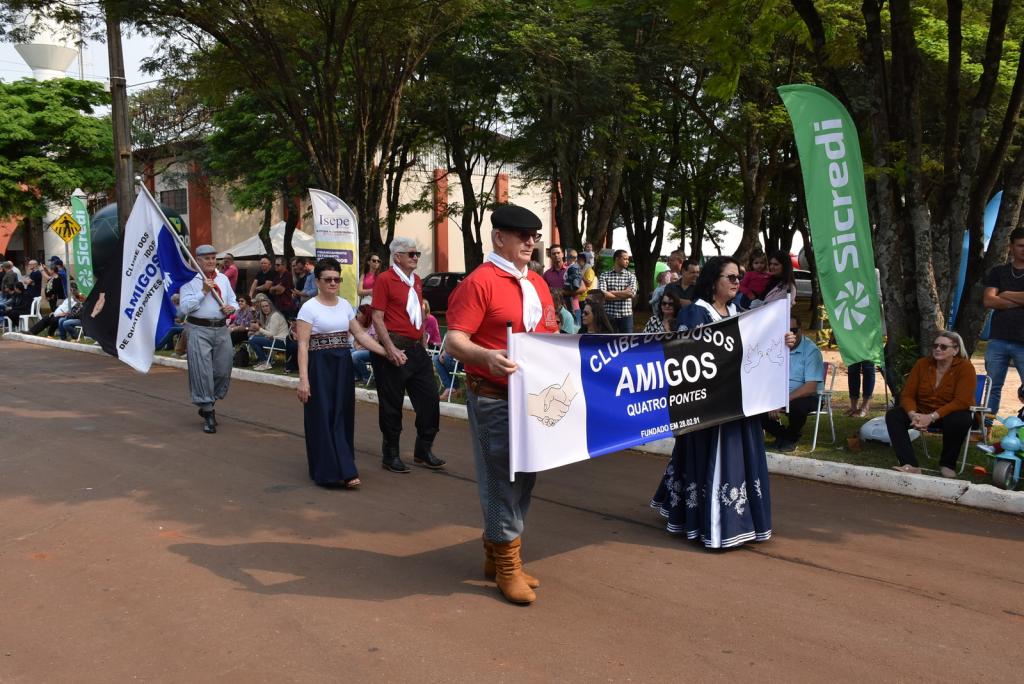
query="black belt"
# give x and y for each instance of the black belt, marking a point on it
(403, 342)
(206, 322)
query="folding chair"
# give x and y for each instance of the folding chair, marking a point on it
(825, 404)
(277, 344)
(982, 389)
(25, 322)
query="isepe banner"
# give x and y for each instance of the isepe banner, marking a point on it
(81, 246)
(576, 397)
(131, 308)
(337, 235)
(837, 211)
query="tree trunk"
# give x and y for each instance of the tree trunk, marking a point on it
(268, 209)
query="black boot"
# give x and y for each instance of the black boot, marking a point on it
(210, 421)
(392, 460)
(213, 414)
(422, 456)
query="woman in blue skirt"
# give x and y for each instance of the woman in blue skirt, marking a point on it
(324, 330)
(715, 488)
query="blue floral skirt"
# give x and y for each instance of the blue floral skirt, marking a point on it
(715, 487)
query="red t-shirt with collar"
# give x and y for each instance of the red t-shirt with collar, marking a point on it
(390, 295)
(486, 300)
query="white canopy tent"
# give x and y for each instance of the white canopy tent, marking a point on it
(252, 247)
(728, 242)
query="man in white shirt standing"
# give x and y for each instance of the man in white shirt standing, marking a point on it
(207, 300)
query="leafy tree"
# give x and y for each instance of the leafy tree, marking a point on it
(331, 73)
(50, 143)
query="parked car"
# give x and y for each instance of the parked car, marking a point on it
(437, 287)
(803, 283)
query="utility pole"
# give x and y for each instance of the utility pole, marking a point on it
(119, 116)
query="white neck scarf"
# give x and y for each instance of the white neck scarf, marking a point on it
(532, 310)
(412, 303)
(715, 316)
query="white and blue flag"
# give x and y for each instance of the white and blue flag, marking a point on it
(153, 268)
(576, 397)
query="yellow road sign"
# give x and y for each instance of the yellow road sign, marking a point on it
(66, 227)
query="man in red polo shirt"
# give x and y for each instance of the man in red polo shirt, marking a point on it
(398, 319)
(501, 290)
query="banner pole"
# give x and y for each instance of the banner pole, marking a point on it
(181, 243)
(508, 351)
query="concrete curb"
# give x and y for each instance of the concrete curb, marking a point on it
(862, 477)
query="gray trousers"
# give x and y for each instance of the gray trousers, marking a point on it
(504, 503)
(209, 364)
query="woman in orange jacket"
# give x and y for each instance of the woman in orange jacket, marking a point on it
(939, 393)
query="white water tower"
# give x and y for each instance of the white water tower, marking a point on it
(49, 54)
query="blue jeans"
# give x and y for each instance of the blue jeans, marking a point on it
(65, 326)
(997, 362)
(867, 370)
(257, 344)
(444, 364)
(577, 315)
(167, 343)
(623, 325)
(361, 364)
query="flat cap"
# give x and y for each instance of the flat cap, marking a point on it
(511, 217)
(203, 250)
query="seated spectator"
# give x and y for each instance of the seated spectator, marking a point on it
(938, 395)
(595, 320)
(239, 322)
(51, 321)
(19, 304)
(664, 319)
(566, 321)
(6, 295)
(806, 371)
(431, 330)
(361, 355)
(268, 325)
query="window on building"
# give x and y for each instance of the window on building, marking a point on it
(175, 199)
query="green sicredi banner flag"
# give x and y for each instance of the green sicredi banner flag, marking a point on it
(837, 211)
(81, 248)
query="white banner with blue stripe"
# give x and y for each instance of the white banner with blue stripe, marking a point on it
(576, 397)
(153, 270)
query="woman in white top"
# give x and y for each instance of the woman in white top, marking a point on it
(268, 325)
(325, 327)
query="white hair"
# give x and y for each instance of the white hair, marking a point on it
(402, 244)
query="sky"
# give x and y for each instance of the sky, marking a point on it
(135, 48)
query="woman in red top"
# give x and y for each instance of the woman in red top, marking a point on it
(939, 393)
(365, 286)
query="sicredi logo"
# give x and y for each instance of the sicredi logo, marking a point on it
(853, 295)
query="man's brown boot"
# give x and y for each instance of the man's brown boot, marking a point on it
(489, 571)
(509, 573)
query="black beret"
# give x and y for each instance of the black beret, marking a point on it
(511, 217)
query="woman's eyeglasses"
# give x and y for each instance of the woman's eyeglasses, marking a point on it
(941, 347)
(732, 278)
(374, 261)
(331, 279)
(666, 302)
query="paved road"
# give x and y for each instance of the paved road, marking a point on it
(133, 547)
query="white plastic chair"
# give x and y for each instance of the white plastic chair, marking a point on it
(978, 411)
(825, 404)
(25, 322)
(7, 324)
(277, 344)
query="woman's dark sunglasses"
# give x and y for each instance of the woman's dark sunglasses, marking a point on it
(732, 278)
(331, 279)
(943, 347)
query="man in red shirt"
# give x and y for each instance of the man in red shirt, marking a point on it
(398, 320)
(501, 290)
(229, 269)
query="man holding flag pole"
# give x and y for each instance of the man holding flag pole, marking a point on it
(131, 306)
